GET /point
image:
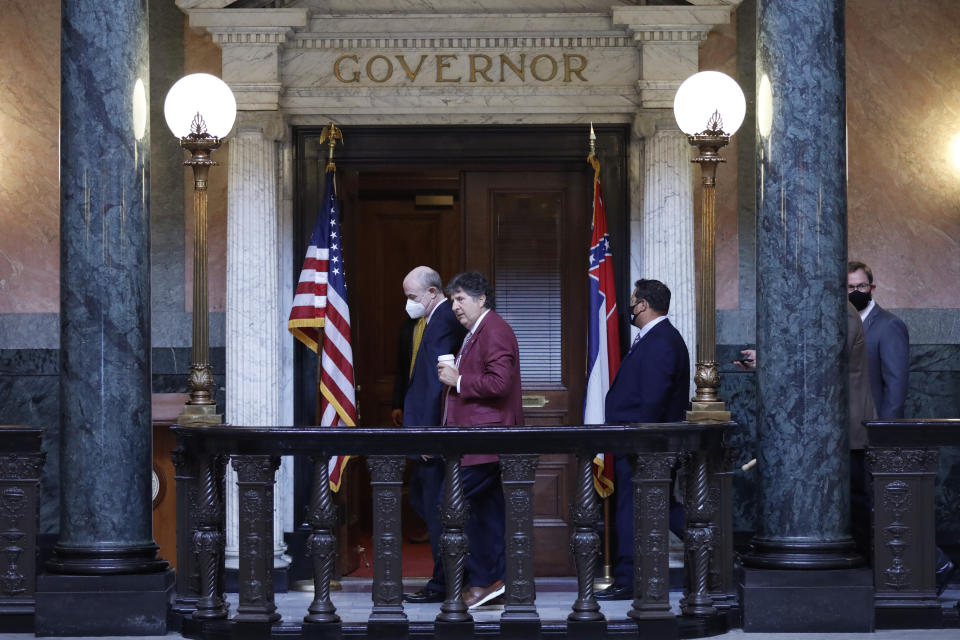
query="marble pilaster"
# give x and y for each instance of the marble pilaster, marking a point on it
(667, 224)
(105, 437)
(253, 326)
(802, 440)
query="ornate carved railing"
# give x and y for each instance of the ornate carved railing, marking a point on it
(20, 464)
(902, 458)
(657, 449)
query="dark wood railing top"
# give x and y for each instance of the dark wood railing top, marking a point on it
(18, 438)
(913, 432)
(635, 438)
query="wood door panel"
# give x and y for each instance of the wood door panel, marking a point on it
(528, 231)
(395, 235)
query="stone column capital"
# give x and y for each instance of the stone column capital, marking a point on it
(268, 124)
(669, 41)
(649, 122)
(251, 41)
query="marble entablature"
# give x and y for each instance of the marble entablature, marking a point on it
(589, 60)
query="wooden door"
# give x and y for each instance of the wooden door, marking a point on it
(515, 204)
(528, 231)
(399, 220)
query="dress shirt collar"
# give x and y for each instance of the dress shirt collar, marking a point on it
(476, 324)
(866, 311)
(645, 329)
(435, 307)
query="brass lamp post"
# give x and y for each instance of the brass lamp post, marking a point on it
(709, 108)
(200, 110)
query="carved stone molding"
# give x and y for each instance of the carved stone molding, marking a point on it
(18, 466)
(653, 466)
(902, 460)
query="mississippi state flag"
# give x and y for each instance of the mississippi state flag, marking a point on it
(320, 304)
(603, 334)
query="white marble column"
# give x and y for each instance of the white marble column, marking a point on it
(666, 226)
(253, 329)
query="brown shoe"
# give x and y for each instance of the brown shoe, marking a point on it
(476, 596)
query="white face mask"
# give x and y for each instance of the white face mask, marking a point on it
(415, 309)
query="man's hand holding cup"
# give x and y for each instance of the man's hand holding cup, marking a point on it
(447, 371)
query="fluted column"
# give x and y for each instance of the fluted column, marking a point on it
(666, 253)
(253, 332)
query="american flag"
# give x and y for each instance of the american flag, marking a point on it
(320, 303)
(603, 334)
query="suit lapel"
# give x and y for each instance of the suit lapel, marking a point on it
(871, 317)
(473, 339)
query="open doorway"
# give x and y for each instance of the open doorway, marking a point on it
(514, 203)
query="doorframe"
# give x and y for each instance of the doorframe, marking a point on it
(497, 147)
(475, 146)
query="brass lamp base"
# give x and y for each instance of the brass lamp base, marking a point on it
(605, 579)
(708, 412)
(307, 586)
(199, 414)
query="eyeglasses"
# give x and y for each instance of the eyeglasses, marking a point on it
(863, 287)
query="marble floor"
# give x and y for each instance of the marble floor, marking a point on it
(554, 598)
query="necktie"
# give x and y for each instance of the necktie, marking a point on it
(635, 341)
(463, 349)
(417, 338)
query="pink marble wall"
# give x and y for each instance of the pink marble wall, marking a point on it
(29, 157)
(201, 55)
(903, 113)
(719, 53)
(903, 107)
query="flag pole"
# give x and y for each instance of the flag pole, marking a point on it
(330, 135)
(605, 579)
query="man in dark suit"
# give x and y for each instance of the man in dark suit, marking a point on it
(483, 389)
(652, 385)
(435, 332)
(888, 344)
(888, 356)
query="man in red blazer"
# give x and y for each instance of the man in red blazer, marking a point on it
(483, 389)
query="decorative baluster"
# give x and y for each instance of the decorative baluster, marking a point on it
(904, 547)
(221, 461)
(208, 541)
(700, 506)
(720, 578)
(651, 541)
(188, 574)
(585, 542)
(518, 473)
(21, 462)
(453, 542)
(255, 481)
(386, 480)
(322, 543)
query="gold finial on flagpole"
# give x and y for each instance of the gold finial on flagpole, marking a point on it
(330, 135)
(593, 141)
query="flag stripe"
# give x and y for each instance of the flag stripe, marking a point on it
(320, 303)
(603, 335)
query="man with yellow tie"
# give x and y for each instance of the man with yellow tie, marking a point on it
(437, 332)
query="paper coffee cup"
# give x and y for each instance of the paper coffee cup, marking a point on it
(447, 357)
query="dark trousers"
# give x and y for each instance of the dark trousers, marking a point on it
(426, 484)
(861, 498)
(623, 517)
(483, 494)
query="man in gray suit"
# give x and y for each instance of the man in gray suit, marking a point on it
(888, 344)
(888, 354)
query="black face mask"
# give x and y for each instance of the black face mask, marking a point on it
(629, 316)
(859, 299)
